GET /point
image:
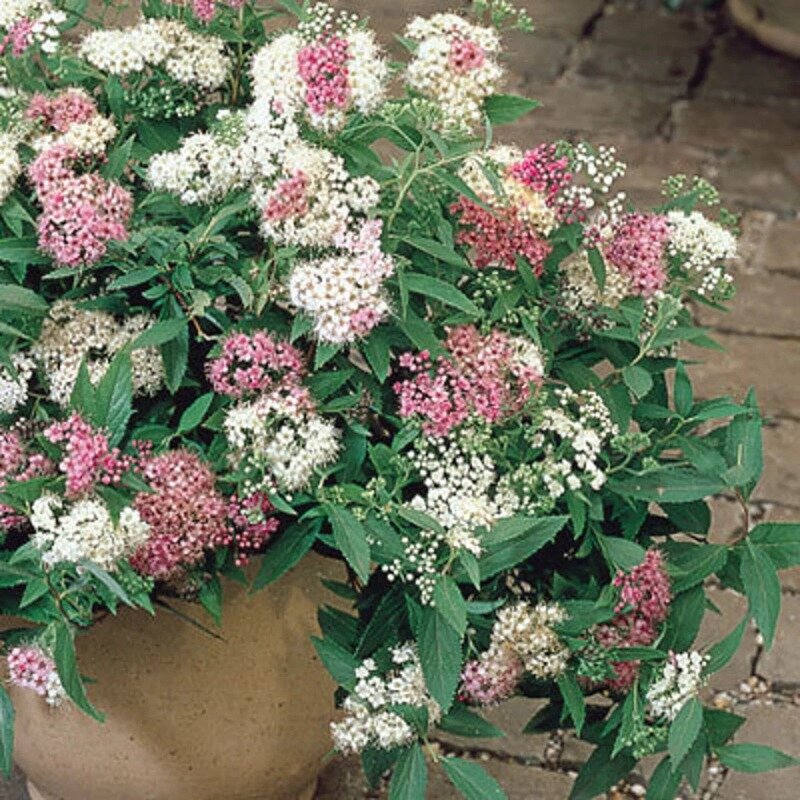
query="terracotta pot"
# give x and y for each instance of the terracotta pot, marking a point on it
(190, 717)
(775, 23)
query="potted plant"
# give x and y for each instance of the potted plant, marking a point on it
(274, 309)
(775, 23)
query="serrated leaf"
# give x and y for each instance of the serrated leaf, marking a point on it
(684, 397)
(638, 380)
(440, 655)
(683, 731)
(448, 599)
(351, 539)
(114, 398)
(472, 780)
(722, 652)
(600, 773)
(780, 541)
(292, 544)
(763, 589)
(573, 699)
(18, 299)
(6, 732)
(341, 663)
(439, 290)
(503, 109)
(460, 721)
(410, 776)
(195, 413)
(754, 758)
(66, 664)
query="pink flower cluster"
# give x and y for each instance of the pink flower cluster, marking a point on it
(81, 214)
(288, 198)
(17, 464)
(488, 683)
(19, 36)
(498, 237)
(252, 523)
(644, 600)
(30, 668)
(257, 363)
(543, 171)
(637, 250)
(479, 376)
(465, 56)
(62, 111)
(88, 458)
(184, 510)
(323, 68)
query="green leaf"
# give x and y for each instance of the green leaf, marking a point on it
(502, 109)
(18, 299)
(472, 780)
(754, 758)
(439, 290)
(763, 589)
(448, 599)
(600, 773)
(341, 663)
(686, 616)
(410, 776)
(744, 449)
(160, 333)
(135, 277)
(435, 249)
(64, 655)
(440, 655)
(721, 725)
(351, 539)
(378, 353)
(108, 580)
(698, 563)
(35, 589)
(529, 536)
(460, 721)
(573, 699)
(83, 393)
(622, 553)
(598, 265)
(722, 652)
(669, 486)
(282, 555)
(638, 380)
(420, 519)
(6, 732)
(210, 598)
(780, 541)
(118, 159)
(114, 397)
(692, 517)
(175, 353)
(684, 729)
(684, 397)
(194, 415)
(664, 782)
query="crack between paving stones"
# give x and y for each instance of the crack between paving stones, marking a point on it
(756, 334)
(705, 56)
(587, 31)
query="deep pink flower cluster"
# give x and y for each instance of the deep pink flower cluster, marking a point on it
(18, 464)
(62, 111)
(637, 250)
(252, 523)
(30, 668)
(498, 237)
(486, 684)
(186, 514)
(81, 214)
(288, 199)
(256, 363)
(465, 56)
(543, 171)
(643, 606)
(323, 68)
(88, 457)
(479, 376)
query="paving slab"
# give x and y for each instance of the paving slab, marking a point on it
(782, 247)
(653, 28)
(782, 662)
(565, 18)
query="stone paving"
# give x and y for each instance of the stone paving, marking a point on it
(681, 92)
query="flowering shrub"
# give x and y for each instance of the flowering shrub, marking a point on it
(268, 293)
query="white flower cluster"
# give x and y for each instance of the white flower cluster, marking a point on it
(703, 246)
(580, 292)
(527, 631)
(369, 722)
(278, 79)
(529, 205)
(10, 165)
(187, 57)
(45, 19)
(344, 294)
(85, 531)
(330, 200)
(600, 165)
(455, 65)
(680, 681)
(71, 335)
(572, 436)
(14, 388)
(461, 491)
(275, 445)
